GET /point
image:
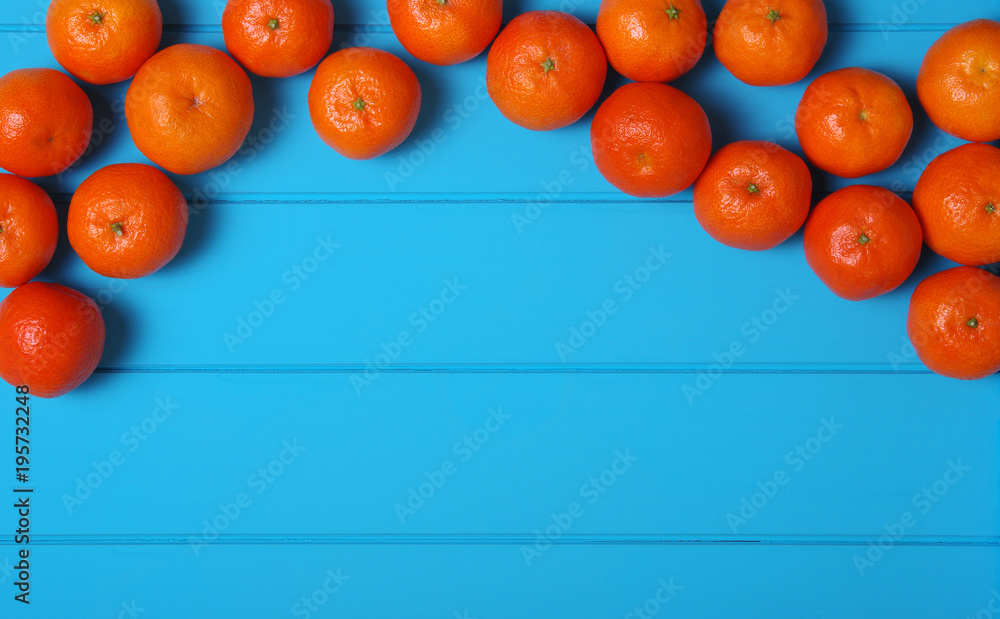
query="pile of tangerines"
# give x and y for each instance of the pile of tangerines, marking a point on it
(190, 107)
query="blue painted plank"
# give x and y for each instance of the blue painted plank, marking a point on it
(838, 455)
(494, 581)
(302, 284)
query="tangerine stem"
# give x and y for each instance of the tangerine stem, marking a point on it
(672, 12)
(548, 65)
(972, 322)
(359, 104)
(96, 17)
(773, 15)
(273, 24)
(864, 238)
(442, 2)
(752, 188)
(990, 208)
(117, 227)
(863, 115)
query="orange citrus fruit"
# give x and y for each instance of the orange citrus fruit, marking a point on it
(445, 32)
(51, 338)
(545, 70)
(650, 140)
(852, 122)
(278, 38)
(957, 199)
(363, 101)
(103, 41)
(862, 241)
(189, 108)
(770, 42)
(29, 230)
(45, 122)
(652, 40)
(959, 81)
(954, 323)
(127, 220)
(753, 195)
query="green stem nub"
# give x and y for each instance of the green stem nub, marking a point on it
(773, 15)
(972, 322)
(548, 65)
(752, 188)
(96, 18)
(273, 24)
(863, 115)
(442, 2)
(117, 228)
(359, 104)
(863, 239)
(990, 208)
(672, 13)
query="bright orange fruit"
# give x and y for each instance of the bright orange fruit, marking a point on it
(753, 195)
(862, 241)
(45, 122)
(103, 41)
(954, 323)
(652, 40)
(364, 101)
(957, 199)
(278, 38)
(959, 81)
(545, 70)
(852, 122)
(29, 230)
(650, 140)
(127, 220)
(189, 108)
(770, 42)
(445, 32)
(51, 338)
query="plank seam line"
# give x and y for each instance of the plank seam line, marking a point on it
(508, 539)
(537, 368)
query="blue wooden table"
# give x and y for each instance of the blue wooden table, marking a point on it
(471, 379)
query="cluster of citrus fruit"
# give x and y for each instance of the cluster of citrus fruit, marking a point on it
(190, 107)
